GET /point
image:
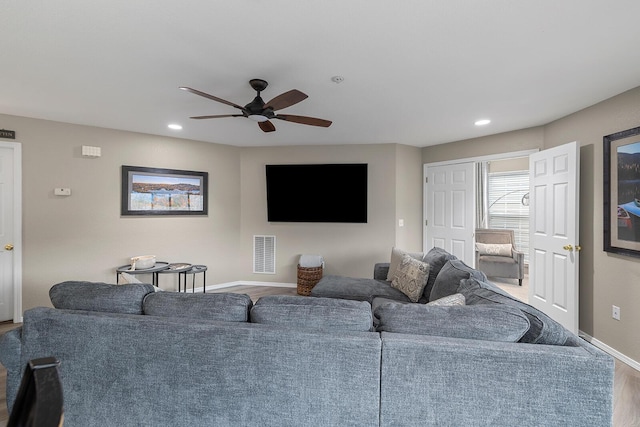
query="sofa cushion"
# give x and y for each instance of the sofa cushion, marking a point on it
(94, 296)
(436, 258)
(495, 249)
(227, 307)
(313, 313)
(449, 278)
(354, 288)
(480, 322)
(542, 329)
(396, 259)
(411, 277)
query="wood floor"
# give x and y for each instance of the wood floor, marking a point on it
(626, 393)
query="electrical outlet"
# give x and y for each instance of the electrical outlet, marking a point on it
(615, 312)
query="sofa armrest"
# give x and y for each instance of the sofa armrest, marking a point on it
(380, 270)
(10, 354)
(519, 257)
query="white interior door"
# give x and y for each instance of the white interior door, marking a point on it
(7, 242)
(450, 209)
(554, 245)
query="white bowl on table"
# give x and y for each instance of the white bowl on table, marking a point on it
(143, 262)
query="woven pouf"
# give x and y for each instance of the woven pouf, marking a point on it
(308, 277)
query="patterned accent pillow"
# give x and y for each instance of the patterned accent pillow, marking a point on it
(495, 249)
(455, 299)
(411, 277)
(396, 258)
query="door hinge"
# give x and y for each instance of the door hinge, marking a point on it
(426, 222)
(426, 179)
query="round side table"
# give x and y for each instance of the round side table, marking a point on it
(160, 266)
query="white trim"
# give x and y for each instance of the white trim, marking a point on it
(488, 157)
(17, 228)
(612, 351)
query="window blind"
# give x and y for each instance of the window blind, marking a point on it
(506, 193)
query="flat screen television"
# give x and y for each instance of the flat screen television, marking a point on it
(317, 193)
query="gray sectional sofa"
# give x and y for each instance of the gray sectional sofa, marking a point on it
(132, 356)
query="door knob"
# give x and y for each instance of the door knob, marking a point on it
(567, 247)
(8, 247)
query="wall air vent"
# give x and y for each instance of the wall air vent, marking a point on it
(264, 254)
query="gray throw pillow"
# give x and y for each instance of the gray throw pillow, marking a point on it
(479, 322)
(226, 307)
(313, 313)
(542, 330)
(93, 296)
(436, 258)
(411, 277)
(449, 278)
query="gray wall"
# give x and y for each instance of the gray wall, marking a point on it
(348, 249)
(83, 237)
(605, 279)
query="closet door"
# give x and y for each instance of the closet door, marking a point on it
(450, 209)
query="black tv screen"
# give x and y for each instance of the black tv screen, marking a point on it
(317, 193)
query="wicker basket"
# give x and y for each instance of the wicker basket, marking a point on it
(307, 279)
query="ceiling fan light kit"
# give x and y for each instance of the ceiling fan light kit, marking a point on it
(263, 112)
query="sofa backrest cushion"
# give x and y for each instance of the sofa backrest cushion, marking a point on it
(227, 307)
(449, 278)
(480, 322)
(313, 313)
(542, 330)
(94, 296)
(436, 258)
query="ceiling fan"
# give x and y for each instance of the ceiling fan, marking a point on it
(262, 112)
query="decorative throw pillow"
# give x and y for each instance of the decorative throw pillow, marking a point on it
(495, 249)
(411, 277)
(396, 257)
(449, 278)
(436, 258)
(455, 299)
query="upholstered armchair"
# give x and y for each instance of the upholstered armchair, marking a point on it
(496, 254)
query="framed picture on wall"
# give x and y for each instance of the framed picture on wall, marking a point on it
(622, 192)
(152, 191)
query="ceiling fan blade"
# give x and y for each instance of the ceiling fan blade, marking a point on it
(214, 98)
(286, 99)
(304, 120)
(216, 116)
(266, 126)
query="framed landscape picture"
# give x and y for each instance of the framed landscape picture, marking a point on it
(622, 192)
(152, 191)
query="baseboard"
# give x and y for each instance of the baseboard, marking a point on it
(244, 283)
(612, 351)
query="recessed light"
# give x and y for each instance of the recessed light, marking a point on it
(482, 122)
(174, 126)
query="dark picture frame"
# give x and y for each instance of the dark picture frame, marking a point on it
(154, 191)
(622, 192)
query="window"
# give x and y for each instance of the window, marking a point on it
(508, 194)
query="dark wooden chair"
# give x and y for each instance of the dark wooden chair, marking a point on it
(39, 402)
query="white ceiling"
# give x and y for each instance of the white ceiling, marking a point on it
(416, 72)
